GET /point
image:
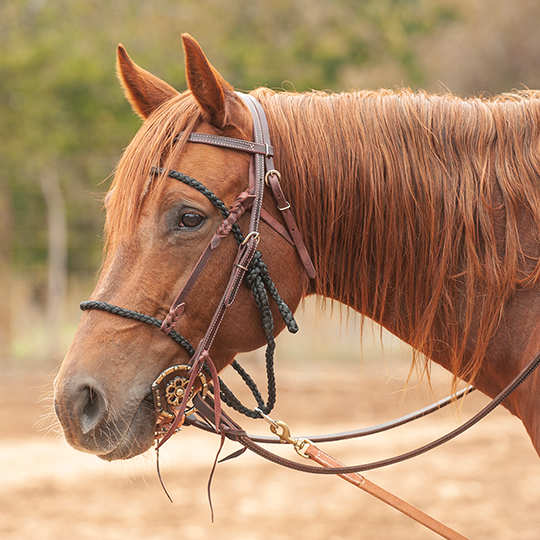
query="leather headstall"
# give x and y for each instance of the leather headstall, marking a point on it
(261, 171)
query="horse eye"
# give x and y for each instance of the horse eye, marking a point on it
(191, 219)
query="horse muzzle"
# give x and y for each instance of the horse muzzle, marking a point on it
(93, 423)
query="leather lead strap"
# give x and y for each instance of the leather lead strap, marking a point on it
(330, 466)
(233, 431)
(392, 500)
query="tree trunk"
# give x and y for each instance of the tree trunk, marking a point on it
(57, 260)
(5, 274)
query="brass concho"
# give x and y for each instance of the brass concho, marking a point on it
(169, 390)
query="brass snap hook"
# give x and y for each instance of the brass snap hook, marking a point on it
(282, 430)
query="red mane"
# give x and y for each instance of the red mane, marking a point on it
(419, 208)
(410, 203)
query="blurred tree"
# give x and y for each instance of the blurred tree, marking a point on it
(490, 46)
(62, 113)
(5, 274)
(59, 114)
(57, 258)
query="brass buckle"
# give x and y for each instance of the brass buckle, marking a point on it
(169, 389)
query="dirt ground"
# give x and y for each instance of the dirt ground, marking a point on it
(485, 484)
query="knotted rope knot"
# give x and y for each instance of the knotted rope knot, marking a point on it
(172, 318)
(239, 206)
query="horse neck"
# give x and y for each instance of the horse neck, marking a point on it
(415, 218)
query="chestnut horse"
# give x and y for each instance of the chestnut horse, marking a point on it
(421, 212)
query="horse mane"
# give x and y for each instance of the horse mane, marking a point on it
(417, 207)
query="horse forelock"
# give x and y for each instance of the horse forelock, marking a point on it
(156, 144)
(417, 208)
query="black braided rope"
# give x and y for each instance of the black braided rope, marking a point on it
(135, 315)
(260, 283)
(283, 308)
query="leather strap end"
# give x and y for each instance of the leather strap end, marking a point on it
(273, 182)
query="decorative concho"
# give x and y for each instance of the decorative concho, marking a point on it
(175, 390)
(169, 390)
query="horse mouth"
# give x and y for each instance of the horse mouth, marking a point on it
(139, 435)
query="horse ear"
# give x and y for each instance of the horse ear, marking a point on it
(209, 88)
(144, 91)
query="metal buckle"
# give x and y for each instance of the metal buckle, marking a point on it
(168, 390)
(271, 171)
(284, 208)
(252, 234)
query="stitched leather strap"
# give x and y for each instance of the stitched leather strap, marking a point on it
(277, 226)
(252, 147)
(361, 432)
(272, 179)
(233, 431)
(262, 133)
(262, 147)
(392, 500)
(245, 254)
(261, 161)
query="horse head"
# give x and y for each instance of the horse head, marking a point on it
(157, 228)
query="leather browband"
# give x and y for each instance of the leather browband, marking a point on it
(229, 142)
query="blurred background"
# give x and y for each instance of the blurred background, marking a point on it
(64, 123)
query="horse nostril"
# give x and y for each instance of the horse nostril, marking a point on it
(93, 410)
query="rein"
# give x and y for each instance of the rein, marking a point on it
(203, 406)
(176, 386)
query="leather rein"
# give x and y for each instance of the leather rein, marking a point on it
(175, 386)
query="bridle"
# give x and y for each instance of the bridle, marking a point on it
(175, 386)
(171, 392)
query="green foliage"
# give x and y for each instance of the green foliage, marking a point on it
(61, 107)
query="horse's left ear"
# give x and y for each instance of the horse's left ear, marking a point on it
(213, 93)
(144, 91)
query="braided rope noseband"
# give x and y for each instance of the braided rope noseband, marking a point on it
(260, 283)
